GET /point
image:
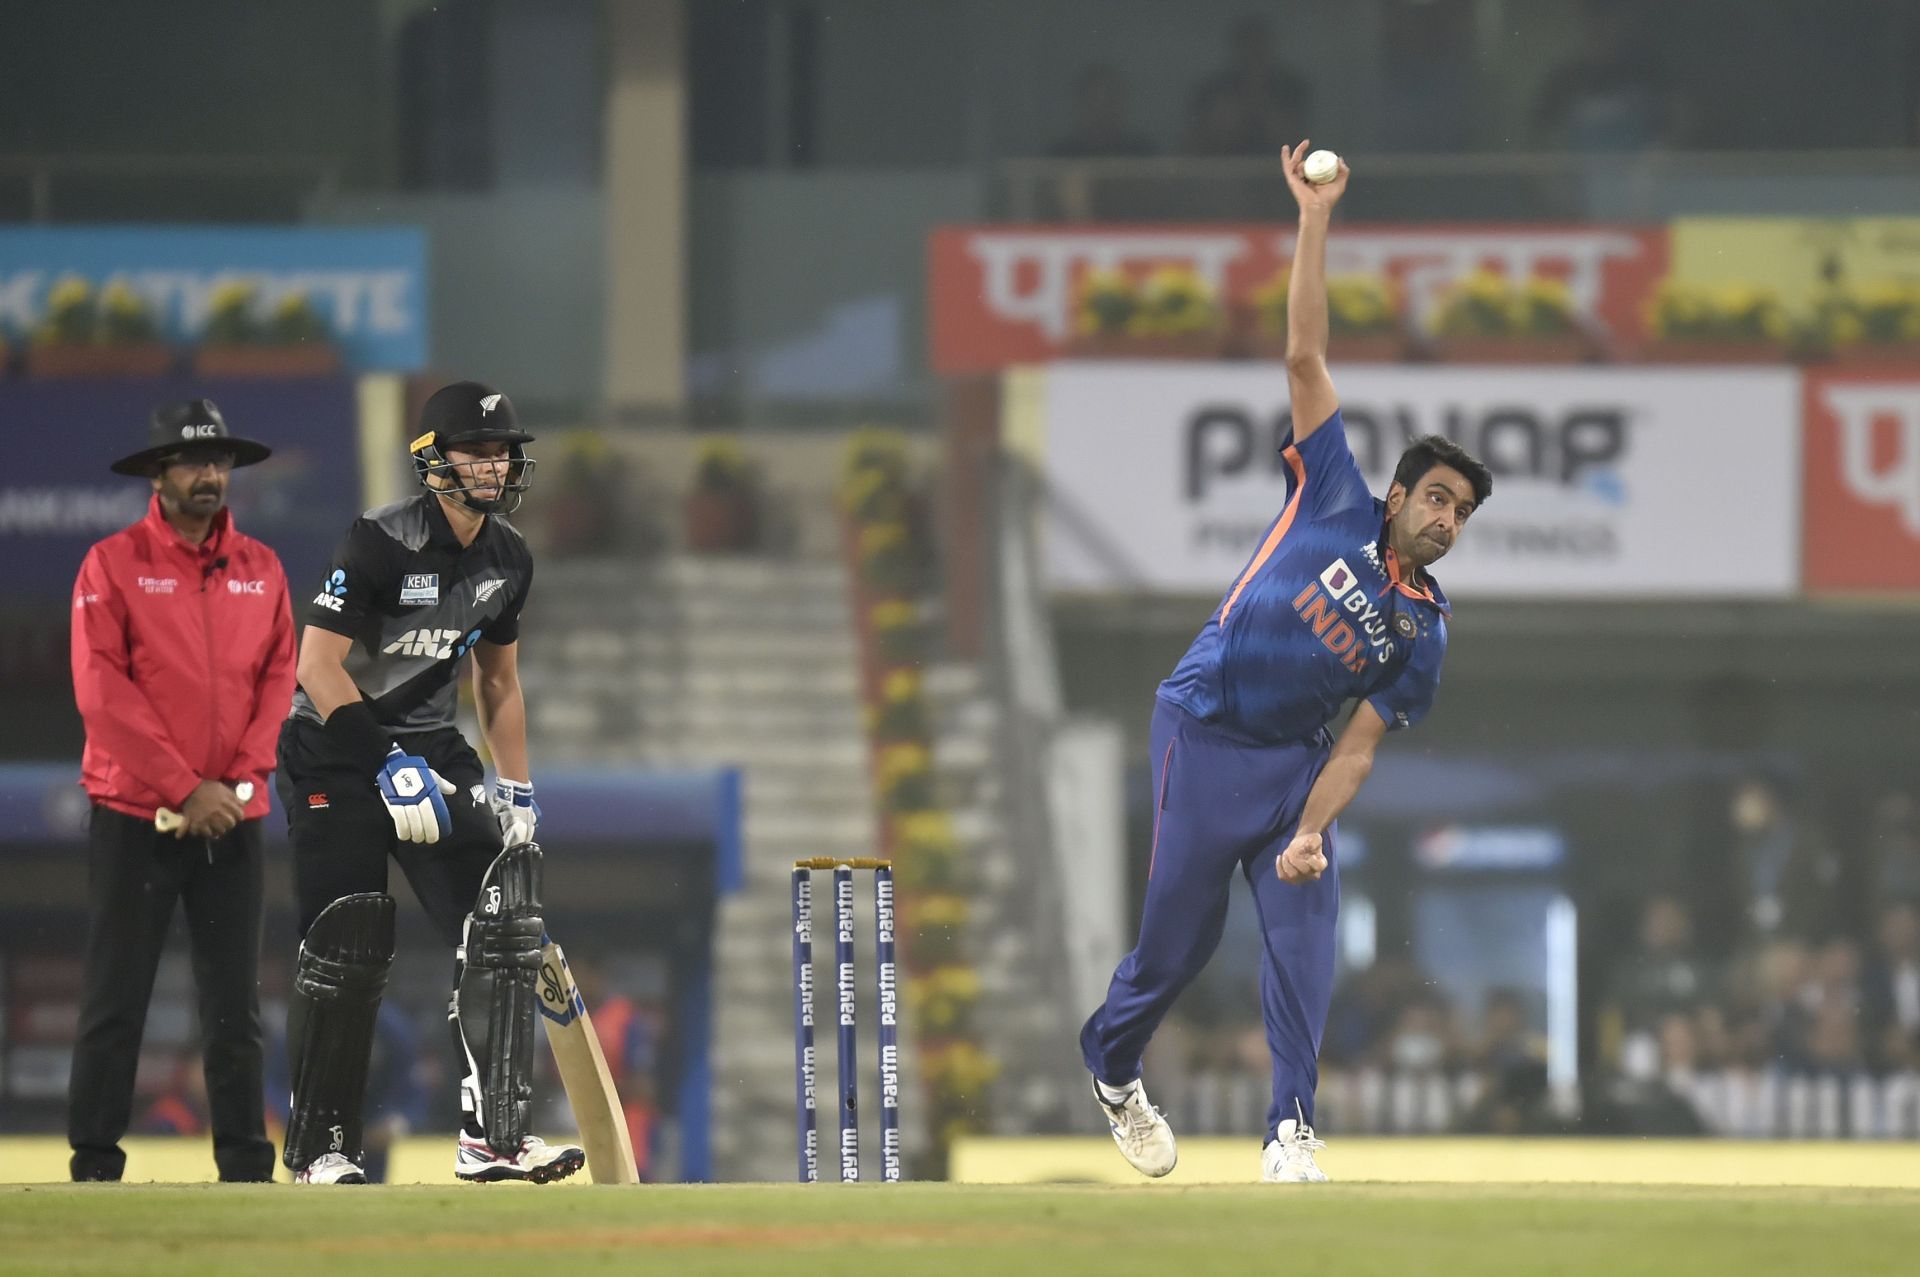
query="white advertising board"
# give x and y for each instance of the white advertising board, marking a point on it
(1607, 482)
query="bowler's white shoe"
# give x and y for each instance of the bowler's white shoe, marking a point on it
(537, 1160)
(1289, 1159)
(330, 1168)
(1140, 1129)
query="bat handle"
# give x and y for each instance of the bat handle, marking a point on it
(166, 820)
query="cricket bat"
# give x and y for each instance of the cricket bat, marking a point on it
(166, 820)
(583, 1071)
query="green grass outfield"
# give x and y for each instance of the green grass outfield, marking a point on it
(1349, 1230)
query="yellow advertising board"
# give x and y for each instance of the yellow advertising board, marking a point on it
(1796, 257)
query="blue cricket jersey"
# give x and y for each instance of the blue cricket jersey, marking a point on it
(1320, 615)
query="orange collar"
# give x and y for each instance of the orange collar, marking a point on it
(1415, 591)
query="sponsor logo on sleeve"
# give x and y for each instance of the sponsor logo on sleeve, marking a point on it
(333, 591)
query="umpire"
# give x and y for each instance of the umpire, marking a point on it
(183, 670)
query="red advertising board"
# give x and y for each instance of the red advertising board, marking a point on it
(1004, 295)
(1862, 482)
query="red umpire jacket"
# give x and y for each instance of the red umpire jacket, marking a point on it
(182, 663)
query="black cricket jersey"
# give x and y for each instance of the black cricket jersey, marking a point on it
(414, 602)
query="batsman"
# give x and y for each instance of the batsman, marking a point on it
(372, 766)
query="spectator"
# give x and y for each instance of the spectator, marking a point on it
(1424, 1039)
(1100, 126)
(1615, 95)
(1366, 1009)
(1678, 1036)
(1890, 988)
(1663, 974)
(1783, 972)
(1836, 974)
(1661, 977)
(1505, 1040)
(1833, 1039)
(1253, 105)
(1714, 1037)
(1642, 1096)
(1792, 879)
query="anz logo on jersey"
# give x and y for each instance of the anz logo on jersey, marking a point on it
(1320, 605)
(439, 644)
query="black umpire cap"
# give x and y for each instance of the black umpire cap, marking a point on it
(195, 423)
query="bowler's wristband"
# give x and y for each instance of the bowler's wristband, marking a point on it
(356, 733)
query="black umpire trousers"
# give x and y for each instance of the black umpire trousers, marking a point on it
(134, 876)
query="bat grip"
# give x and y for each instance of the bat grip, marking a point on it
(166, 820)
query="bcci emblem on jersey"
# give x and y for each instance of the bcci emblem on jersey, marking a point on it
(420, 589)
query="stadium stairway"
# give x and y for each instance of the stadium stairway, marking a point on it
(702, 661)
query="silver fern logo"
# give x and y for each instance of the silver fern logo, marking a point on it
(487, 589)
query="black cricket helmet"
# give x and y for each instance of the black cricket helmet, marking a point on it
(469, 412)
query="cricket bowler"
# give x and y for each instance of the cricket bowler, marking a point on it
(1335, 606)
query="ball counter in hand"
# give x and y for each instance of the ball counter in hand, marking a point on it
(1321, 167)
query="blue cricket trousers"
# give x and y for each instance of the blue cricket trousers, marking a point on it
(1224, 803)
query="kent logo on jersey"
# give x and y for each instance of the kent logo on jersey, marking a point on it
(420, 589)
(1320, 605)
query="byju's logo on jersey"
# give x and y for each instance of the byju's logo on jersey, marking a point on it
(487, 589)
(420, 589)
(439, 644)
(1320, 607)
(333, 591)
(1338, 578)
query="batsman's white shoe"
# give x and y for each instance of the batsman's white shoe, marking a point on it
(537, 1160)
(1140, 1129)
(331, 1168)
(1289, 1159)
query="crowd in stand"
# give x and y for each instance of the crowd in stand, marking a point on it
(1814, 974)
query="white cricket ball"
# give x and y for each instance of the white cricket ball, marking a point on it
(1321, 167)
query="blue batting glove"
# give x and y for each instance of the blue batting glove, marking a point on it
(415, 796)
(514, 808)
